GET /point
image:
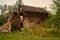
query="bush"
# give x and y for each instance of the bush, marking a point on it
(3, 19)
(57, 22)
(49, 22)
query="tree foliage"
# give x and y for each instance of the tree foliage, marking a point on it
(56, 7)
(3, 19)
(3, 8)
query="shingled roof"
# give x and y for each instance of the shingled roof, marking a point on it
(33, 9)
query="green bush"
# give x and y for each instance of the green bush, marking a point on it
(3, 19)
(49, 22)
(57, 22)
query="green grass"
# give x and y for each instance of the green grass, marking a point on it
(24, 36)
(29, 34)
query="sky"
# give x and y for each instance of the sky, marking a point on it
(36, 3)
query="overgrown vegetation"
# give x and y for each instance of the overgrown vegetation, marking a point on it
(3, 19)
(26, 35)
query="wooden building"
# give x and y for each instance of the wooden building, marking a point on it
(34, 15)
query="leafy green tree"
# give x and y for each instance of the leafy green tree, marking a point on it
(17, 5)
(9, 8)
(56, 7)
(3, 9)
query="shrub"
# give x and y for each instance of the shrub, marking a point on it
(56, 22)
(49, 22)
(3, 19)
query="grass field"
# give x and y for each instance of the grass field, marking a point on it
(24, 36)
(28, 34)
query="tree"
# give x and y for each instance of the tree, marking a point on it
(17, 5)
(3, 8)
(9, 8)
(56, 7)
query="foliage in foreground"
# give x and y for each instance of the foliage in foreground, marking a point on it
(24, 36)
